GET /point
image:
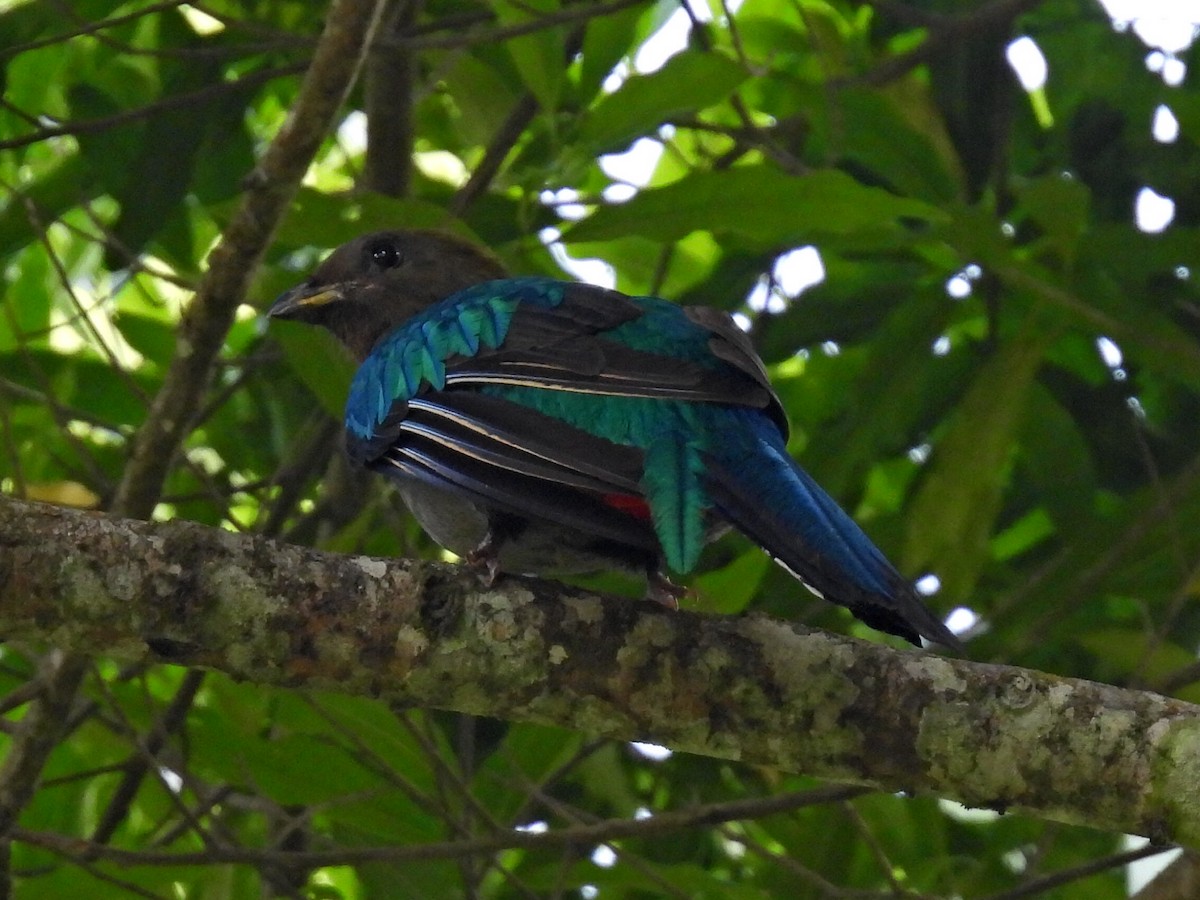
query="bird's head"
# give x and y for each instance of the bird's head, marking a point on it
(368, 286)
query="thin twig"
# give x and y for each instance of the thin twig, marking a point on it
(587, 835)
(90, 28)
(502, 142)
(1038, 886)
(460, 39)
(174, 101)
(136, 767)
(224, 51)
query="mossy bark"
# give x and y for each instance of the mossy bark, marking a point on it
(750, 688)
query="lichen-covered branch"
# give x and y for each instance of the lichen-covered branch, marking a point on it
(750, 688)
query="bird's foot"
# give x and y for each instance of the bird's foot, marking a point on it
(485, 560)
(663, 590)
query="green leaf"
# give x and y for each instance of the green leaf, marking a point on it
(483, 96)
(541, 56)
(22, 22)
(730, 589)
(298, 769)
(27, 301)
(606, 41)
(951, 517)
(1060, 206)
(529, 754)
(148, 335)
(1022, 536)
(159, 174)
(83, 382)
(900, 135)
(51, 194)
(109, 152)
(756, 202)
(315, 219)
(689, 81)
(319, 361)
(1126, 651)
(1055, 458)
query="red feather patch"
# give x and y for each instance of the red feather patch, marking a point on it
(628, 504)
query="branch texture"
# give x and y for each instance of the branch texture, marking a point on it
(751, 688)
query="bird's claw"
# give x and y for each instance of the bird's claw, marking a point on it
(485, 561)
(664, 591)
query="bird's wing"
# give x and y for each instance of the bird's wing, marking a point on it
(441, 398)
(599, 341)
(500, 454)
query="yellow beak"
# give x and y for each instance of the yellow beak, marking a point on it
(302, 297)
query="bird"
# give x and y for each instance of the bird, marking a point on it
(536, 425)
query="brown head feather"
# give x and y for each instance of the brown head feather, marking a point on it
(371, 284)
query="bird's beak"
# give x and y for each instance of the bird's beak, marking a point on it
(300, 298)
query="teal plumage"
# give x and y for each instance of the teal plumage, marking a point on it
(674, 488)
(670, 433)
(536, 424)
(415, 353)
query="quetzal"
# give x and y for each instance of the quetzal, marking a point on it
(539, 425)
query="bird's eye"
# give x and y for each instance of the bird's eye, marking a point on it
(384, 254)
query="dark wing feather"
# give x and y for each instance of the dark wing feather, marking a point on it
(565, 347)
(518, 438)
(504, 455)
(596, 365)
(509, 456)
(484, 466)
(732, 345)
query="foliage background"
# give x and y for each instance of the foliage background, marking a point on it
(944, 381)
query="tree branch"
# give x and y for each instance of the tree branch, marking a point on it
(943, 32)
(232, 263)
(389, 77)
(205, 323)
(751, 688)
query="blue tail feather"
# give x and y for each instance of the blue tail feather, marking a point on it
(781, 490)
(754, 483)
